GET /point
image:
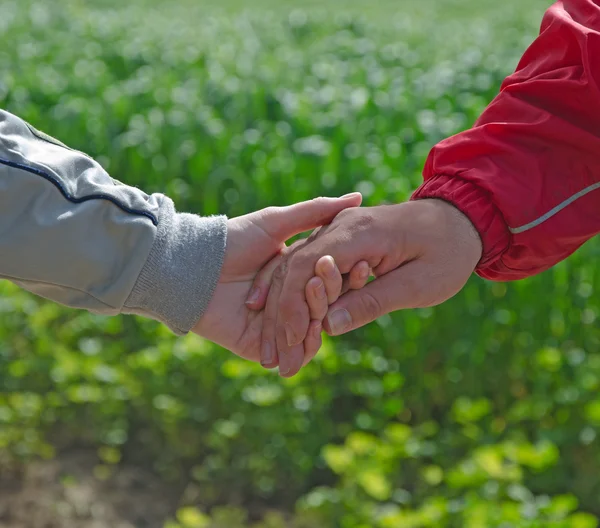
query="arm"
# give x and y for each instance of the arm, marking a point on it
(528, 173)
(526, 177)
(72, 234)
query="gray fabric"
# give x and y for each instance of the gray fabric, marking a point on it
(185, 245)
(72, 234)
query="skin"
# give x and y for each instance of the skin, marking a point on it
(321, 291)
(256, 242)
(421, 253)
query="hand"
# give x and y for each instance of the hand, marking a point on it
(320, 291)
(421, 253)
(253, 240)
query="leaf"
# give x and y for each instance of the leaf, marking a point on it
(362, 443)
(433, 475)
(465, 410)
(375, 484)
(191, 517)
(583, 520)
(338, 458)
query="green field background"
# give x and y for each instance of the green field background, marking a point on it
(482, 412)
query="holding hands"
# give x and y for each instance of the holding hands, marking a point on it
(421, 253)
(272, 301)
(256, 243)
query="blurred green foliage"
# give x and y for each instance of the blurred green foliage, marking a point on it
(482, 412)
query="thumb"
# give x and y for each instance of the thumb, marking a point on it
(282, 223)
(406, 287)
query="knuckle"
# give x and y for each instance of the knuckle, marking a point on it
(344, 213)
(319, 204)
(364, 220)
(296, 261)
(281, 271)
(370, 306)
(269, 211)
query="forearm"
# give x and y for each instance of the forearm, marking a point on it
(528, 173)
(72, 234)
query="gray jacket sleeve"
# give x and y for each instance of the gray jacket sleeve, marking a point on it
(72, 234)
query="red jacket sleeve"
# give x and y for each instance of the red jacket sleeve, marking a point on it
(528, 173)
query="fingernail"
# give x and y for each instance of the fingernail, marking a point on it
(317, 330)
(330, 270)
(290, 334)
(284, 364)
(350, 194)
(339, 321)
(253, 297)
(364, 274)
(266, 355)
(320, 291)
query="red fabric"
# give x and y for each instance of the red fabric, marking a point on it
(536, 145)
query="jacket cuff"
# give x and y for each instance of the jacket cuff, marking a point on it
(477, 206)
(182, 270)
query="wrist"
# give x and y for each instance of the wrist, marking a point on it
(181, 271)
(209, 320)
(459, 227)
(477, 205)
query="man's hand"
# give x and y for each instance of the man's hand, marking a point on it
(253, 240)
(420, 252)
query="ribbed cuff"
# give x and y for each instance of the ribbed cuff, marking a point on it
(477, 206)
(182, 270)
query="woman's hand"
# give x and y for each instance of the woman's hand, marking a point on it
(322, 290)
(253, 240)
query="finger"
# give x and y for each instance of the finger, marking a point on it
(269, 357)
(316, 297)
(316, 289)
(359, 275)
(357, 278)
(293, 313)
(257, 297)
(313, 341)
(293, 318)
(327, 270)
(269, 352)
(291, 356)
(290, 360)
(282, 223)
(408, 286)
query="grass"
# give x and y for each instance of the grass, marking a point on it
(482, 412)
